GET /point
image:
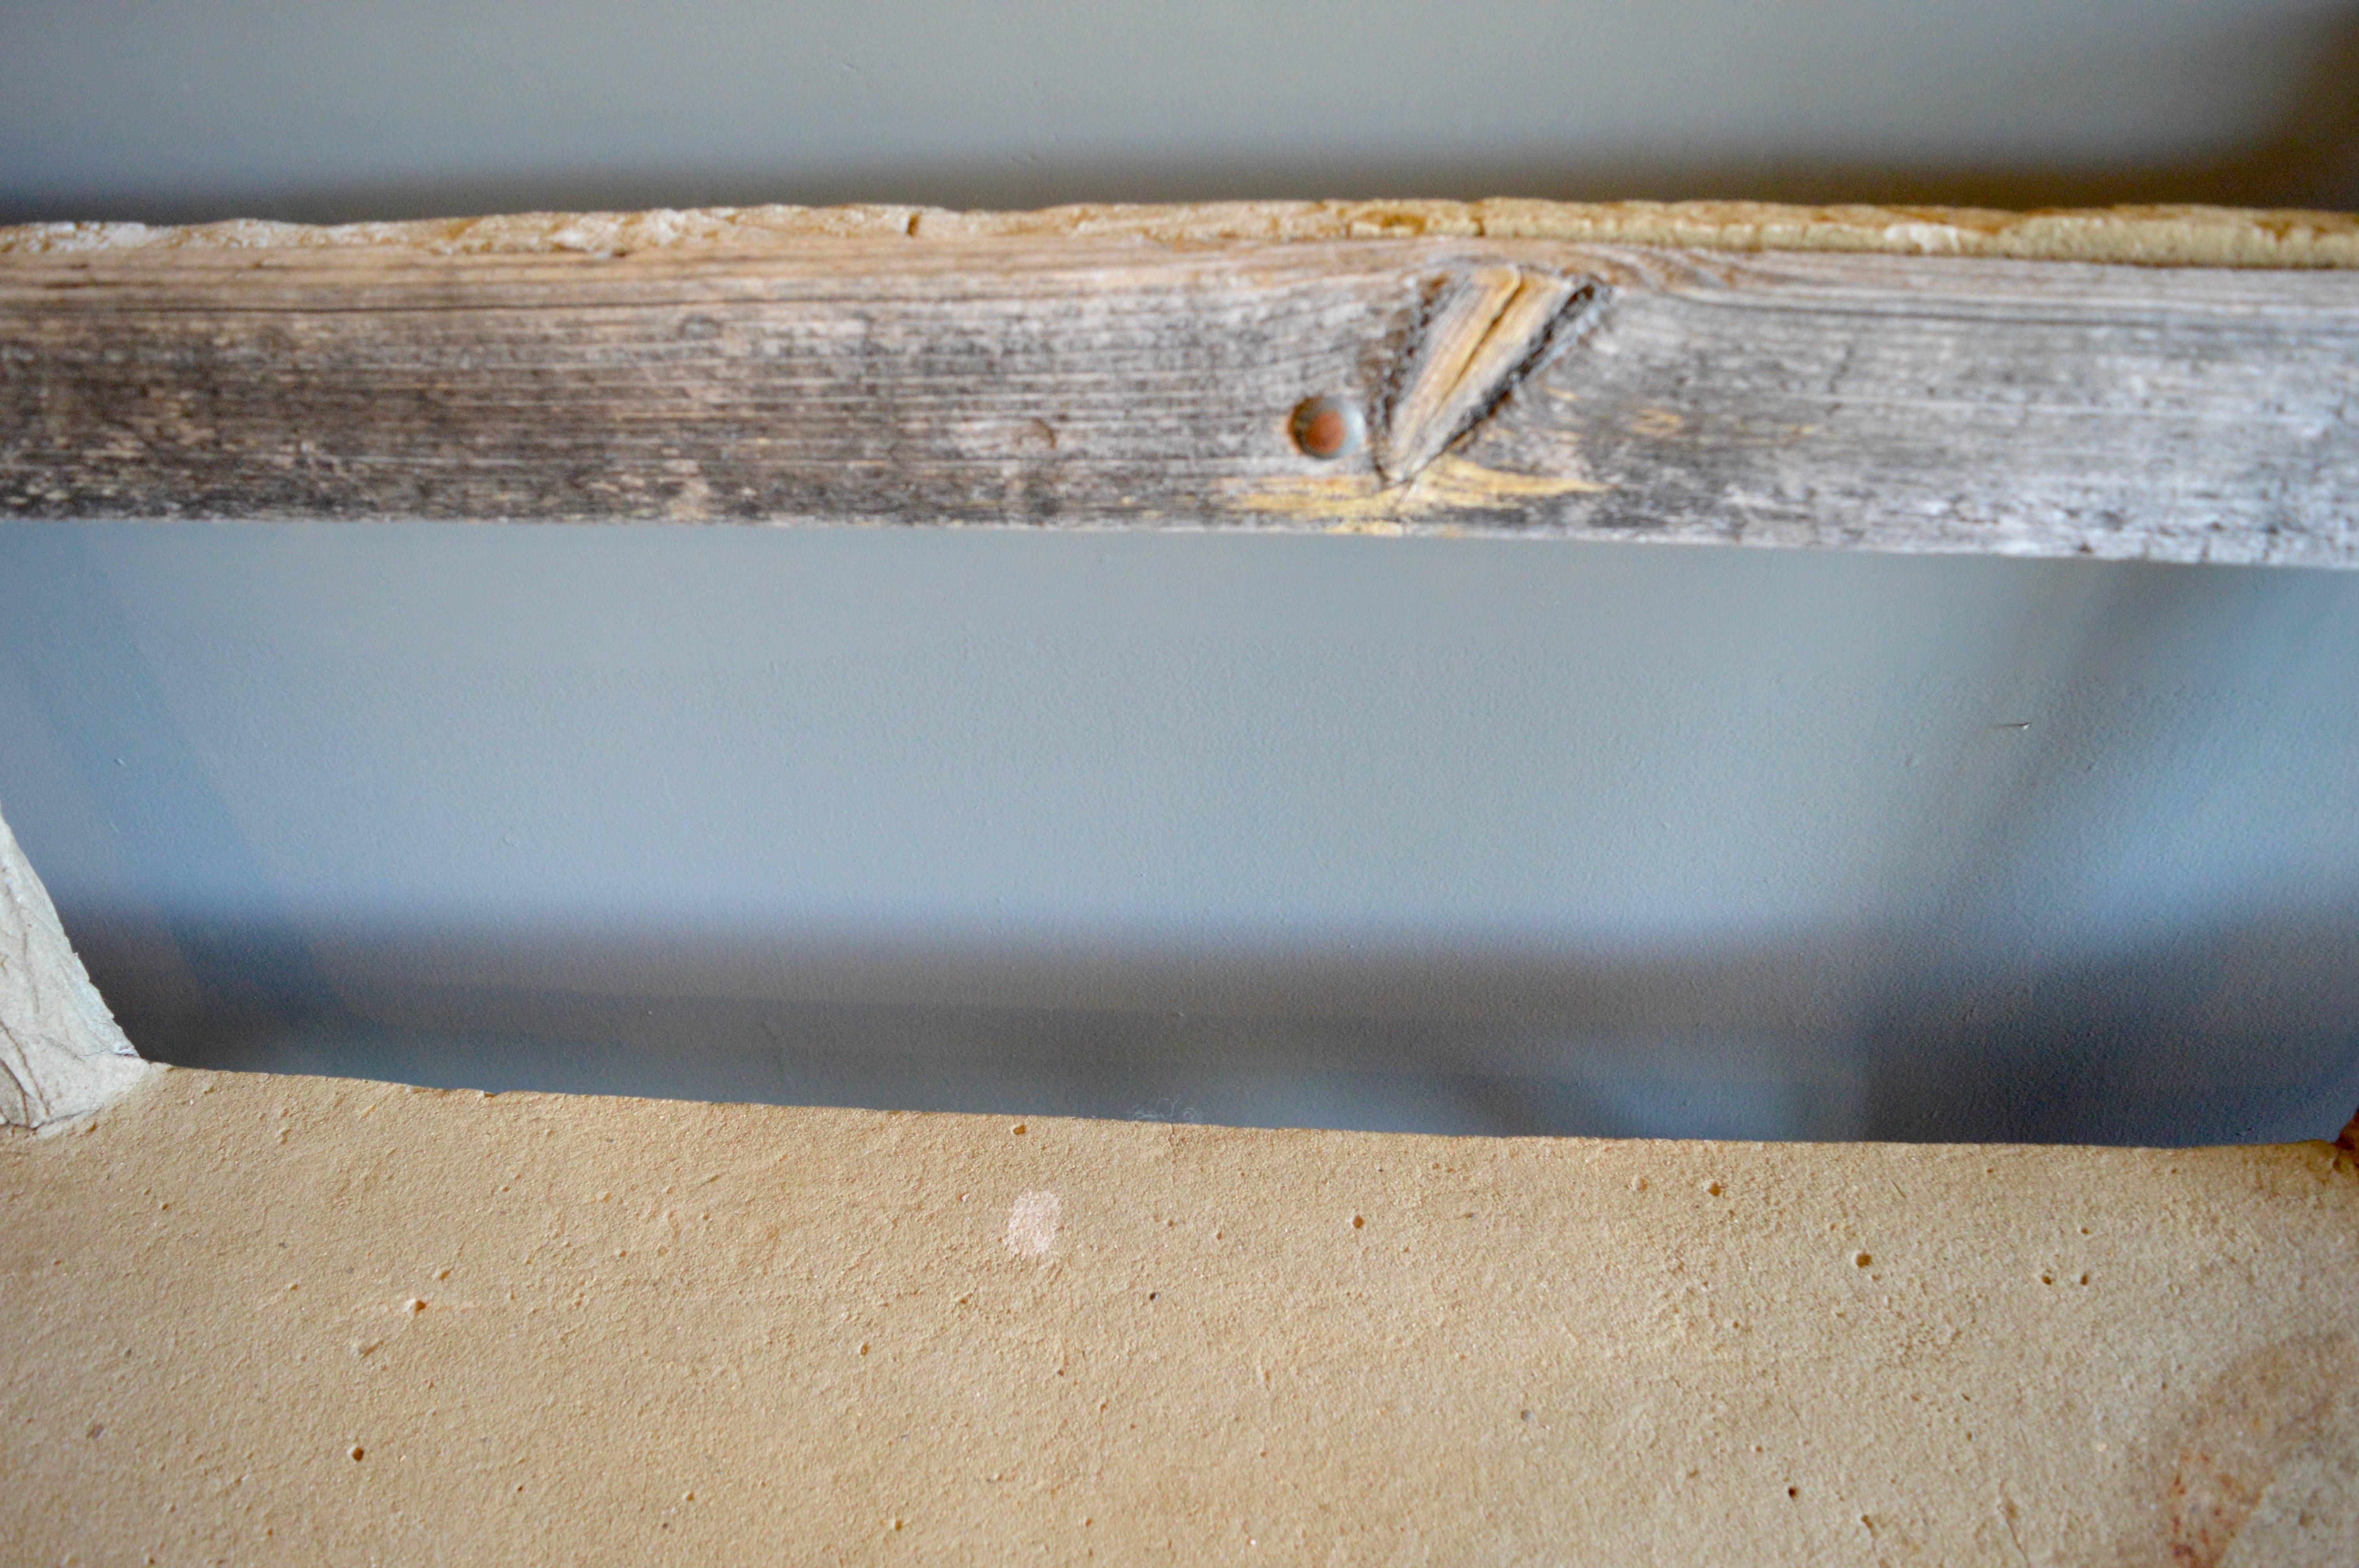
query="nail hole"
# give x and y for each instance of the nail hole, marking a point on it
(1328, 428)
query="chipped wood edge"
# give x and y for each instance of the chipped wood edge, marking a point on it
(2145, 235)
(62, 1054)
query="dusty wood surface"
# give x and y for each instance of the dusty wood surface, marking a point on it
(1111, 377)
(280, 1320)
(60, 1054)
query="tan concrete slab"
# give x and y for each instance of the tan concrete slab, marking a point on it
(258, 1319)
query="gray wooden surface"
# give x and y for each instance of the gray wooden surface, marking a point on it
(1883, 402)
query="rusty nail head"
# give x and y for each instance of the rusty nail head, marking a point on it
(1328, 427)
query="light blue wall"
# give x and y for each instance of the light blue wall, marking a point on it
(128, 108)
(1462, 835)
(1426, 833)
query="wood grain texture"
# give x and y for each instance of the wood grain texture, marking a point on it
(1511, 387)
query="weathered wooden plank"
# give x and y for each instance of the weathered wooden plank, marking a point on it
(1512, 387)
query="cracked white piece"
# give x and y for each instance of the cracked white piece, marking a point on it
(62, 1054)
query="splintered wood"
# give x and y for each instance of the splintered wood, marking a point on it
(1103, 377)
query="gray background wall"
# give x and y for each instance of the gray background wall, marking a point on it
(304, 109)
(1461, 834)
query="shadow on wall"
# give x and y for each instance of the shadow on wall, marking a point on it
(2241, 1035)
(2309, 158)
(245, 758)
(2214, 1025)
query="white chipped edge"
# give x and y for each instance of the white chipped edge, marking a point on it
(61, 1054)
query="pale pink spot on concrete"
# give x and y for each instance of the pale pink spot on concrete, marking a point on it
(1032, 1224)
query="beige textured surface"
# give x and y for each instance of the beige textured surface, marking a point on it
(60, 1053)
(2163, 236)
(280, 1320)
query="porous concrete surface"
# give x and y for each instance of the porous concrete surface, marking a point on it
(261, 1319)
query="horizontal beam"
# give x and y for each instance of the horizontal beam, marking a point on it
(1476, 385)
